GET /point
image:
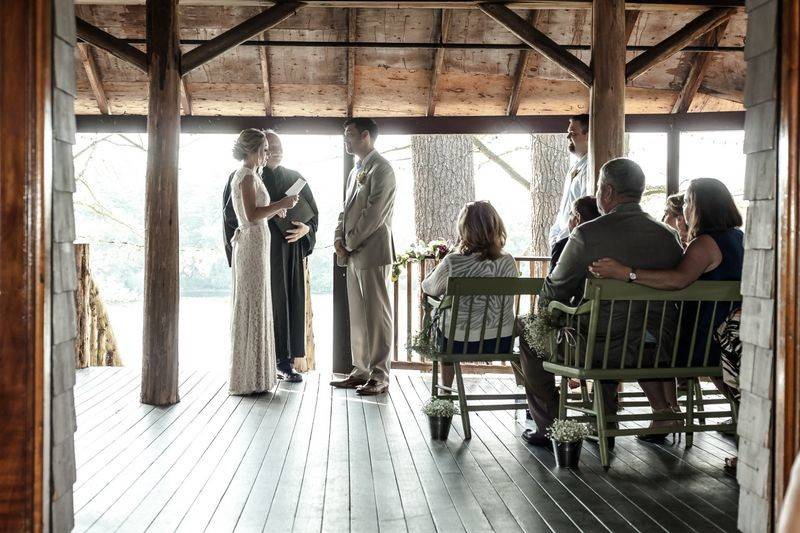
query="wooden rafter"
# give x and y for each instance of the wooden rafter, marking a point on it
(539, 42)
(93, 74)
(631, 18)
(116, 47)
(263, 56)
(521, 73)
(438, 60)
(186, 98)
(237, 35)
(697, 72)
(675, 42)
(351, 59)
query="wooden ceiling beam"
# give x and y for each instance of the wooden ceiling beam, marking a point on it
(521, 73)
(631, 18)
(114, 46)
(648, 5)
(237, 35)
(186, 98)
(93, 74)
(539, 41)
(351, 60)
(263, 57)
(697, 72)
(438, 60)
(675, 42)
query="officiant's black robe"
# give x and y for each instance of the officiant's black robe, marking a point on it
(286, 264)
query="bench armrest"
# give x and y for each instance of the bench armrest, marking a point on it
(568, 310)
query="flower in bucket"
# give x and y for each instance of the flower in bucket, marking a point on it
(538, 328)
(566, 431)
(436, 407)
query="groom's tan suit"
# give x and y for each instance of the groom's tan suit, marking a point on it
(365, 229)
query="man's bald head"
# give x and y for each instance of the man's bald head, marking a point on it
(274, 149)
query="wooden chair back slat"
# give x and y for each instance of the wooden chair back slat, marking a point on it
(643, 339)
(607, 343)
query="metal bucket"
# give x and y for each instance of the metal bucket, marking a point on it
(567, 453)
(440, 426)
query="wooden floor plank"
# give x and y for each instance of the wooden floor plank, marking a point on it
(364, 515)
(117, 378)
(95, 497)
(336, 510)
(310, 502)
(259, 498)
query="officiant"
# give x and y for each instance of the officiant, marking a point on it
(292, 239)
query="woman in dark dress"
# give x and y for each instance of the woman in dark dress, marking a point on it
(287, 253)
(715, 252)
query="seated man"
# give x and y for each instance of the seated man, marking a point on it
(624, 230)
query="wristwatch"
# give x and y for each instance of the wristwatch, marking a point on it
(632, 276)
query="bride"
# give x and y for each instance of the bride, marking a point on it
(252, 362)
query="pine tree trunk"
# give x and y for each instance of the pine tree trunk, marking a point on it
(550, 162)
(444, 180)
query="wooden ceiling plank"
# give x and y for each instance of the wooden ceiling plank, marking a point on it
(93, 74)
(116, 47)
(521, 73)
(237, 35)
(351, 60)
(649, 5)
(539, 42)
(438, 60)
(675, 42)
(697, 73)
(263, 57)
(631, 18)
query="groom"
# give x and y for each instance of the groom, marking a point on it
(364, 244)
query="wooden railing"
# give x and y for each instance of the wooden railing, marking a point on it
(407, 312)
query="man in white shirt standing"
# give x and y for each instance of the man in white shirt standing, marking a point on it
(576, 181)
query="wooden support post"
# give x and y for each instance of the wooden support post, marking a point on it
(607, 94)
(521, 73)
(438, 60)
(186, 98)
(673, 160)
(342, 362)
(237, 35)
(675, 42)
(697, 73)
(263, 56)
(540, 42)
(109, 43)
(351, 60)
(161, 272)
(92, 73)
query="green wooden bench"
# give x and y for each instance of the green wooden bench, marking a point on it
(584, 351)
(466, 296)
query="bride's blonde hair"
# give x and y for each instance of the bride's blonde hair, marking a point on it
(249, 142)
(481, 231)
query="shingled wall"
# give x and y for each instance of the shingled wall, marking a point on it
(758, 280)
(64, 278)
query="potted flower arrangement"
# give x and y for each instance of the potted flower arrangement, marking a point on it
(440, 415)
(567, 437)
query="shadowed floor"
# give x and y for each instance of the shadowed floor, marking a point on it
(309, 458)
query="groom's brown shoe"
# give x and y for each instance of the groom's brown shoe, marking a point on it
(372, 388)
(350, 382)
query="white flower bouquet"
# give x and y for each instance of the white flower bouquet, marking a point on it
(566, 431)
(436, 407)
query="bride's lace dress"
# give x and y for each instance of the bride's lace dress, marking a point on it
(252, 362)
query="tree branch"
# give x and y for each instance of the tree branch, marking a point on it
(513, 174)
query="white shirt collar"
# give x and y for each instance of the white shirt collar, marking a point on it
(367, 157)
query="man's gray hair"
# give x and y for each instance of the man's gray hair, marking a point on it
(625, 176)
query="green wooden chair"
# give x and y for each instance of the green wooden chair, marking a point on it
(469, 296)
(586, 353)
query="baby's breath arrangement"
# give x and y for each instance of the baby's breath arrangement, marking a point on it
(567, 431)
(422, 343)
(436, 407)
(538, 328)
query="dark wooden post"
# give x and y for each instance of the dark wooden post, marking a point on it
(342, 360)
(673, 159)
(607, 94)
(161, 291)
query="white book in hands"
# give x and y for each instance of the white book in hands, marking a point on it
(296, 187)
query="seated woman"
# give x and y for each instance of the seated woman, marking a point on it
(584, 209)
(478, 254)
(673, 216)
(715, 252)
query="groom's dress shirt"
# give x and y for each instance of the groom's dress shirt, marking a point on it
(574, 188)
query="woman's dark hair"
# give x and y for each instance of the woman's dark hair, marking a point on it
(586, 208)
(481, 231)
(710, 207)
(363, 124)
(674, 207)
